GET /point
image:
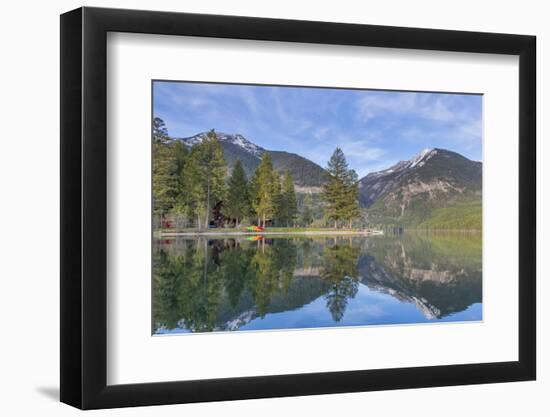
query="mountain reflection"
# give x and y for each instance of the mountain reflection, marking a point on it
(203, 285)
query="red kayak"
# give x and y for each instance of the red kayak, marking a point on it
(255, 229)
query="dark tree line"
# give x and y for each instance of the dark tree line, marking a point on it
(189, 183)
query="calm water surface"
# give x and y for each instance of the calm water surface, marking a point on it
(255, 283)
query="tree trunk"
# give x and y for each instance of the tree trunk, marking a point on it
(199, 221)
(350, 223)
(336, 224)
(207, 206)
(263, 221)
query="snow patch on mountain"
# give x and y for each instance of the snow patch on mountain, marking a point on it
(236, 139)
(394, 169)
(422, 157)
(402, 166)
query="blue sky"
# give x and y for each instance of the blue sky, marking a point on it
(375, 129)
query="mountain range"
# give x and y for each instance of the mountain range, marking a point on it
(306, 174)
(436, 188)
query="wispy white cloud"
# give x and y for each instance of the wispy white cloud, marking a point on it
(320, 132)
(471, 130)
(360, 153)
(372, 104)
(465, 132)
(250, 100)
(434, 107)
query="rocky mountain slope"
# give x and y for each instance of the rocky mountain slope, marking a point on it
(436, 182)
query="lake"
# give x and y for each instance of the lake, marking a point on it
(287, 282)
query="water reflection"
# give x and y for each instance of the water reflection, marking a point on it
(203, 285)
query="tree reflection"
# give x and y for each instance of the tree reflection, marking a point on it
(236, 272)
(190, 289)
(202, 289)
(273, 266)
(340, 269)
(222, 284)
(265, 279)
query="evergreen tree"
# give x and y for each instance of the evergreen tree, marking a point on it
(263, 187)
(351, 210)
(204, 177)
(191, 191)
(341, 189)
(253, 191)
(165, 179)
(160, 132)
(237, 205)
(181, 153)
(165, 171)
(288, 203)
(169, 159)
(307, 213)
(278, 201)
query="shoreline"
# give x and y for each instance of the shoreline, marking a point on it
(305, 232)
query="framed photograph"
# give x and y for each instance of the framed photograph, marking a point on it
(256, 208)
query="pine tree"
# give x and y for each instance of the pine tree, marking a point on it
(204, 177)
(341, 190)
(277, 196)
(237, 205)
(191, 191)
(181, 153)
(351, 210)
(263, 187)
(165, 179)
(160, 132)
(288, 199)
(165, 171)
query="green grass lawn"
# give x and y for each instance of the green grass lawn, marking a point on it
(465, 217)
(303, 229)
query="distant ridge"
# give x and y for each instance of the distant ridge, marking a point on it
(305, 172)
(410, 192)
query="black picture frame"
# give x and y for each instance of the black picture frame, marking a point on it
(84, 207)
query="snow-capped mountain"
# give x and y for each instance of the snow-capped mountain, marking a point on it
(378, 183)
(225, 138)
(422, 157)
(417, 160)
(409, 190)
(235, 146)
